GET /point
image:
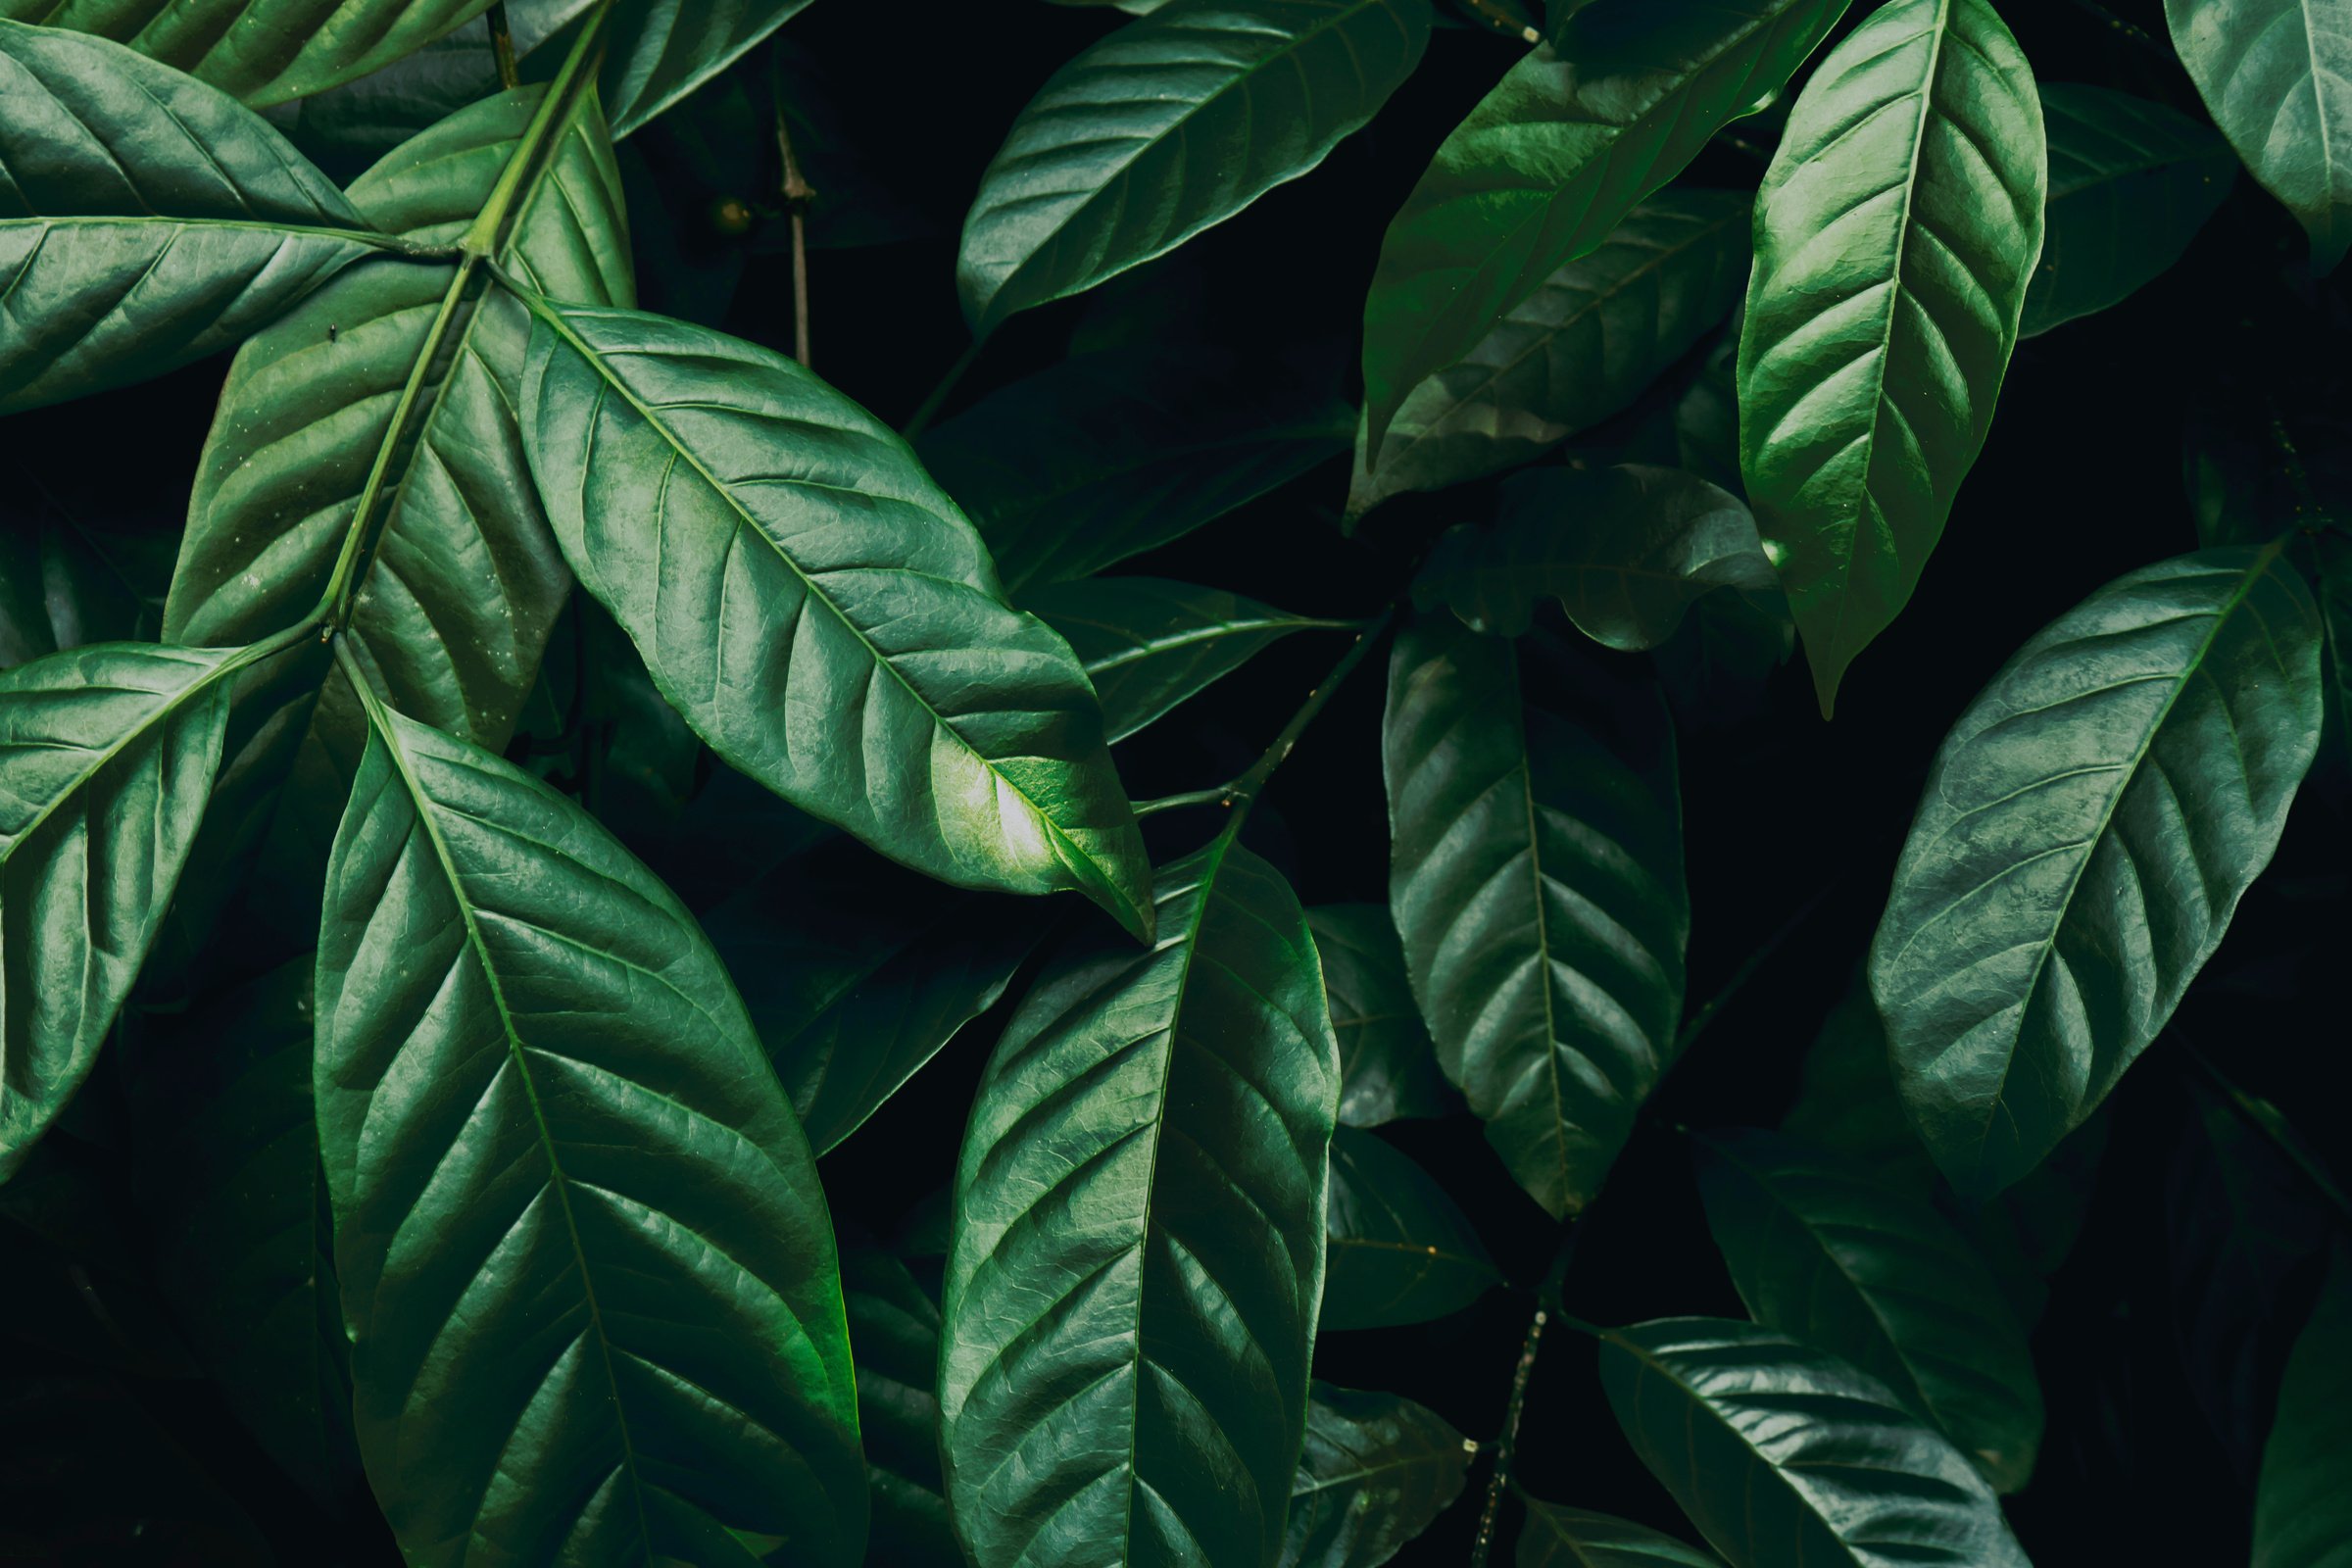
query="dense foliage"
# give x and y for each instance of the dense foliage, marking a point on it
(535, 1025)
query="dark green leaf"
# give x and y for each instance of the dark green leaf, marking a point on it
(1148, 643)
(1388, 1063)
(1375, 1470)
(1895, 233)
(1537, 881)
(1570, 1537)
(893, 1330)
(59, 589)
(80, 1286)
(1822, 1251)
(106, 755)
(1626, 551)
(2302, 1510)
(1169, 127)
(1784, 1456)
(1553, 159)
(1138, 1242)
(1576, 350)
(595, 1313)
(661, 50)
(849, 647)
(1112, 454)
(2085, 834)
(2277, 76)
(2131, 183)
(145, 220)
(1401, 1252)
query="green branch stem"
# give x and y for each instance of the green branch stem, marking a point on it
(1242, 792)
(1507, 1446)
(928, 409)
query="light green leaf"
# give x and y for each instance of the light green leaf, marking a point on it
(2302, 1510)
(145, 220)
(1897, 232)
(1388, 1063)
(1783, 1454)
(848, 645)
(1550, 162)
(1400, 1250)
(893, 1330)
(1109, 455)
(1375, 1471)
(1626, 551)
(106, 755)
(2131, 183)
(1148, 643)
(2277, 76)
(595, 1315)
(1132, 1293)
(2086, 832)
(1822, 1249)
(1168, 126)
(1537, 880)
(665, 49)
(1579, 348)
(1570, 1537)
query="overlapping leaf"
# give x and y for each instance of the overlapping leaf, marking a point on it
(2302, 1511)
(663, 50)
(1374, 1471)
(2277, 76)
(1131, 1298)
(1388, 1063)
(1537, 880)
(1553, 159)
(1167, 126)
(893, 1330)
(1400, 1250)
(820, 611)
(2086, 832)
(1897, 232)
(595, 1313)
(1570, 1537)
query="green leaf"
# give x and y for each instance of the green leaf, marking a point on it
(662, 50)
(1375, 1471)
(59, 588)
(595, 1315)
(893, 1330)
(1148, 643)
(848, 645)
(1552, 161)
(855, 973)
(2302, 1511)
(1109, 455)
(2277, 76)
(1537, 881)
(1388, 1063)
(1822, 1249)
(1168, 126)
(1401, 1252)
(1626, 551)
(1783, 1454)
(260, 50)
(146, 219)
(1138, 1242)
(2131, 183)
(1896, 231)
(1570, 1537)
(2086, 832)
(106, 755)
(1579, 348)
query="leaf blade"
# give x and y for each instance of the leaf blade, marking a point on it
(2275, 73)
(1376, 1469)
(1400, 1250)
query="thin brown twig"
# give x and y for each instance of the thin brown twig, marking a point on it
(1501, 18)
(796, 193)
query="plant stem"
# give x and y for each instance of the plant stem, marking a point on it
(1506, 1447)
(501, 47)
(938, 395)
(1169, 802)
(1705, 1015)
(796, 193)
(1496, 16)
(1242, 792)
(2114, 23)
(2264, 1118)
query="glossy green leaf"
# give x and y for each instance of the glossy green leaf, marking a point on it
(1400, 1250)
(1112, 454)
(1577, 349)
(1148, 643)
(661, 50)
(2302, 1510)
(1388, 1063)
(894, 1330)
(1168, 126)
(1537, 880)
(1784, 1455)
(59, 588)
(2086, 832)
(855, 973)
(847, 643)
(2131, 183)
(1375, 1471)
(1897, 232)
(1570, 1537)
(1552, 161)
(595, 1313)
(1626, 551)
(2277, 76)
(1131, 1298)
(106, 755)
(145, 220)
(1822, 1251)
